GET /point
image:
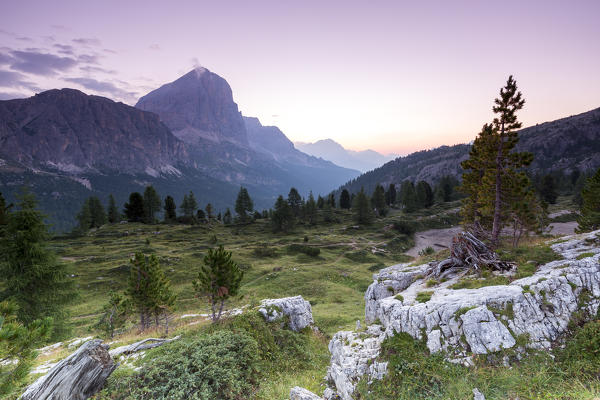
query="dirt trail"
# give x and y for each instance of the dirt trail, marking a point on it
(439, 239)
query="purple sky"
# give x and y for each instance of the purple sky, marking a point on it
(392, 76)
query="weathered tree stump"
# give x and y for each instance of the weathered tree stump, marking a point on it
(145, 344)
(77, 377)
(468, 253)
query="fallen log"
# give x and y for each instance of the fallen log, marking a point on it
(139, 346)
(77, 377)
(467, 253)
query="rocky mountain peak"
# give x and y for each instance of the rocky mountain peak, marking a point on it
(198, 106)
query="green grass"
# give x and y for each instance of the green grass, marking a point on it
(413, 373)
(424, 297)
(585, 255)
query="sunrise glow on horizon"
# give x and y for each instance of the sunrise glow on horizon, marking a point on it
(391, 76)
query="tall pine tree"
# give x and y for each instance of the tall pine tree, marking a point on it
(33, 277)
(345, 203)
(378, 200)
(243, 205)
(134, 209)
(282, 219)
(170, 209)
(152, 204)
(113, 211)
(589, 219)
(363, 214)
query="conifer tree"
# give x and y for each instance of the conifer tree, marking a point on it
(113, 211)
(114, 314)
(282, 219)
(345, 200)
(548, 189)
(408, 196)
(390, 195)
(331, 200)
(295, 201)
(152, 204)
(18, 342)
(148, 289)
(589, 219)
(310, 209)
(493, 180)
(170, 209)
(134, 209)
(320, 202)
(32, 276)
(84, 218)
(227, 220)
(444, 190)
(189, 205)
(97, 212)
(378, 200)
(505, 133)
(363, 214)
(424, 194)
(218, 279)
(243, 205)
(201, 216)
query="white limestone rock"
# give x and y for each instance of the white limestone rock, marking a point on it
(298, 393)
(352, 356)
(296, 308)
(479, 321)
(388, 282)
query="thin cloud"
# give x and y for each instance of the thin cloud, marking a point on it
(65, 49)
(5, 59)
(103, 87)
(13, 79)
(88, 58)
(87, 41)
(39, 63)
(25, 39)
(154, 47)
(91, 70)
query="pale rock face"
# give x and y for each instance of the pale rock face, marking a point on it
(388, 282)
(296, 308)
(488, 319)
(298, 393)
(468, 321)
(352, 356)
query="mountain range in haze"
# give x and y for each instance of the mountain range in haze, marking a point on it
(186, 135)
(189, 134)
(331, 150)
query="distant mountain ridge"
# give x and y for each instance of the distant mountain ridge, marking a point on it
(330, 150)
(66, 145)
(564, 144)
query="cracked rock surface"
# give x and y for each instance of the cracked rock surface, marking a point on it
(296, 308)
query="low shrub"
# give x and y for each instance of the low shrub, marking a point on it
(405, 227)
(304, 249)
(220, 365)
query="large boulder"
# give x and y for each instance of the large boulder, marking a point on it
(296, 308)
(77, 377)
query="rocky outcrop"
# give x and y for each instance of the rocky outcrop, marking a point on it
(77, 377)
(142, 345)
(295, 308)
(353, 356)
(532, 311)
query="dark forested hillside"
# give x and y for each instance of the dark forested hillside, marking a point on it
(563, 145)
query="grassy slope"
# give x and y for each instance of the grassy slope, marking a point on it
(334, 282)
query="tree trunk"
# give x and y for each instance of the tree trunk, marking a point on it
(145, 344)
(77, 377)
(221, 309)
